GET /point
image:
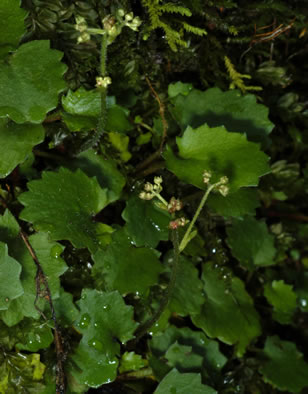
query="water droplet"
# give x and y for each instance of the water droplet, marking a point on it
(106, 307)
(85, 320)
(303, 302)
(56, 251)
(214, 250)
(89, 265)
(84, 296)
(95, 324)
(96, 344)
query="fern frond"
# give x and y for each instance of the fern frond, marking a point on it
(237, 78)
(174, 37)
(193, 29)
(175, 9)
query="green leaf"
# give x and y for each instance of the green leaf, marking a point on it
(145, 222)
(13, 28)
(117, 119)
(177, 88)
(242, 202)
(183, 383)
(187, 296)
(285, 368)
(173, 344)
(124, 267)
(83, 107)
(103, 318)
(48, 254)
(131, 361)
(251, 243)
(82, 102)
(105, 171)
(31, 87)
(283, 299)
(33, 335)
(63, 205)
(10, 285)
(65, 309)
(237, 113)
(228, 312)
(218, 151)
(16, 143)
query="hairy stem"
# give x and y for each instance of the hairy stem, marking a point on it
(103, 90)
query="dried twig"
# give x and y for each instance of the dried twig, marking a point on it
(159, 151)
(41, 279)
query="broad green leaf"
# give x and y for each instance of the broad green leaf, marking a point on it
(130, 361)
(146, 224)
(203, 352)
(104, 170)
(82, 102)
(124, 267)
(187, 296)
(251, 243)
(48, 254)
(285, 368)
(35, 336)
(103, 321)
(183, 383)
(31, 80)
(10, 284)
(228, 312)
(242, 202)
(177, 88)
(66, 311)
(21, 372)
(12, 26)
(283, 299)
(53, 267)
(63, 205)
(183, 358)
(83, 107)
(49, 257)
(237, 113)
(16, 143)
(218, 151)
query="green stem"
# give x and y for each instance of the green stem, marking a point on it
(157, 195)
(143, 329)
(103, 61)
(185, 239)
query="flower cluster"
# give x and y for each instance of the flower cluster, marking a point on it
(181, 222)
(152, 190)
(103, 82)
(174, 205)
(221, 186)
(111, 26)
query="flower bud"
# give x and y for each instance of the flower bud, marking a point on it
(206, 176)
(148, 187)
(224, 180)
(223, 190)
(129, 17)
(158, 180)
